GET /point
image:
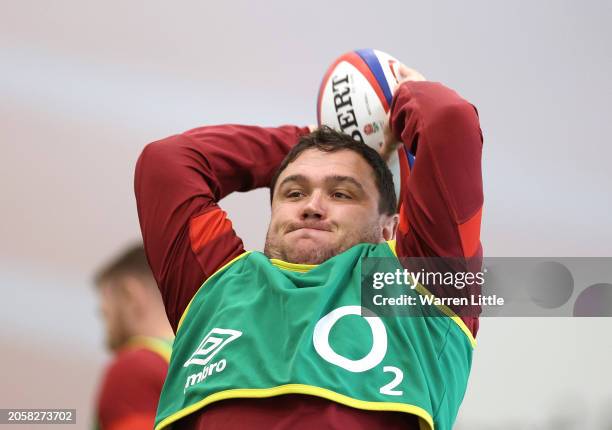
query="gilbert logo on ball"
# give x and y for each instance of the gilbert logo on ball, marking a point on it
(355, 97)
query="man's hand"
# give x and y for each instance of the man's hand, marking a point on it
(391, 144)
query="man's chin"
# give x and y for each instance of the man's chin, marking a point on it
(310, 252)
(305, 247)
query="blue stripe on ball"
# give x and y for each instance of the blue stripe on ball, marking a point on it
(373, 63)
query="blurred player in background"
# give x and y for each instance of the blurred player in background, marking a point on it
(139, 336)
(255, 347)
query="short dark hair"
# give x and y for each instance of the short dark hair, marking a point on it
(327, 139)
(131, 262)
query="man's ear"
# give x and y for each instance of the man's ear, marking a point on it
(389, 226)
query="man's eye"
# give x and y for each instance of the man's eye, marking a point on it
(340, 195)
(294, 194)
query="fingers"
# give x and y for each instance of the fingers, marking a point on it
(405, 73)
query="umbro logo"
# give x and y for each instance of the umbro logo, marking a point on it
(210, 346)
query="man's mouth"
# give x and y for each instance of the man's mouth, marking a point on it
(319, 227)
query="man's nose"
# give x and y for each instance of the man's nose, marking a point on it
(314, 206)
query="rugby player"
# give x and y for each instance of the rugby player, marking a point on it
(139, 336)
(276, 340)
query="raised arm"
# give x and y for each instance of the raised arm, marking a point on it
(441, 201)
(178, 182)
(441, 198)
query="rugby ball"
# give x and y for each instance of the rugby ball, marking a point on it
(355, 97)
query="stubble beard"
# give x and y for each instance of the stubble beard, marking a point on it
(276, 248)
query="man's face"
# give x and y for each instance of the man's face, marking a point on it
(323, 204)
(113, 312)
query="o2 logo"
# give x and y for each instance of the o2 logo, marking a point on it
(320, 339)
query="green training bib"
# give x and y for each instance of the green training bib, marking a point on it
(262, 328)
